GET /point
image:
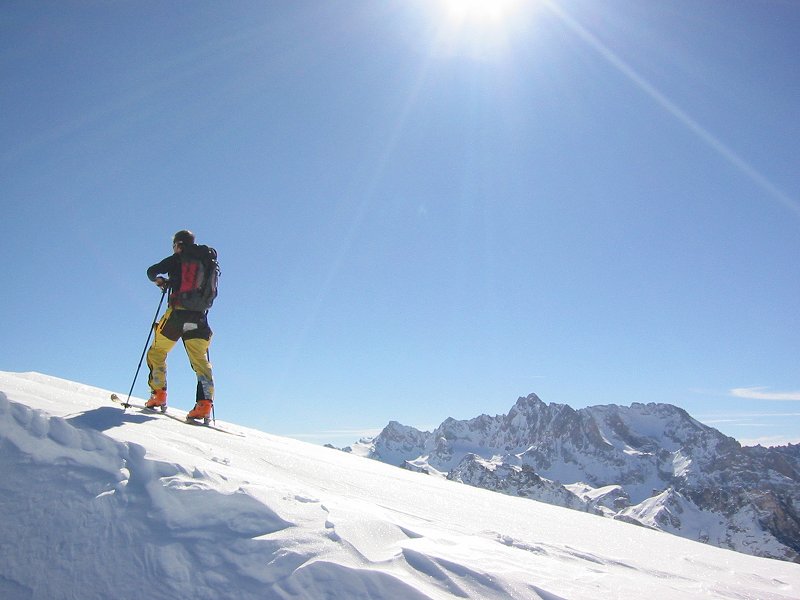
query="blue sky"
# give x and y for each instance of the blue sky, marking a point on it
(421, 211)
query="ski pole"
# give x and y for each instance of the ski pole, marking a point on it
(127, 403)
(213, 414)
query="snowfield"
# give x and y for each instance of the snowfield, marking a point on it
(101, 503)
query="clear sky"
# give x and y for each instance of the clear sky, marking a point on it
(422, 208)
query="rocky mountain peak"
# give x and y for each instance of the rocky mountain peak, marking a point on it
(527, 404)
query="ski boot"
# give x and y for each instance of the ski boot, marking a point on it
(158, 399)
(201, 410)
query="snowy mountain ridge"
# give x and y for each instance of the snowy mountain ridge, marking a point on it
(649, 464)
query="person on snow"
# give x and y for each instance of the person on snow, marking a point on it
(180, 323)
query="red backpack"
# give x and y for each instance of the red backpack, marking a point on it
(199, 278)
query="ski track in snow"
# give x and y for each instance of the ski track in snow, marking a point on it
(101, 503)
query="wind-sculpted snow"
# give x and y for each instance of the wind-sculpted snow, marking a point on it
(657, 465)
(98, 503)
(78, 482)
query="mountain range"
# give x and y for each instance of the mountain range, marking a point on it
(648, 464)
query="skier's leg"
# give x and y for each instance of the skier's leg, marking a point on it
(197, 350)
(157, 357)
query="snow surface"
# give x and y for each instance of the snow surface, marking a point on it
(101, 503)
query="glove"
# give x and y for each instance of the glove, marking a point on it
(162, 283)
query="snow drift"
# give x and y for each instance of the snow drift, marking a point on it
(101, 503)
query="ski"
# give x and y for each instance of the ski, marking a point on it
(163, 411)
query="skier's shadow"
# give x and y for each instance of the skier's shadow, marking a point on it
(106, 417)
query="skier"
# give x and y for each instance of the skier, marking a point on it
(180, 322)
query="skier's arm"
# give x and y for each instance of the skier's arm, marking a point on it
(155, 272)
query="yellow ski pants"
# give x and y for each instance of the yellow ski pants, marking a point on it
(191, 327)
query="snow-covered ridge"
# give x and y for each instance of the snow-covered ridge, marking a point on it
(650, 464)
(98, 503)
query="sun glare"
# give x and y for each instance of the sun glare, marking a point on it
(479, 11)
(479, 29)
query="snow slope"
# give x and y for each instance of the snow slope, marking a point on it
(98, 503)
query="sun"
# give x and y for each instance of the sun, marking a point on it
(479, 29)
(479, 11)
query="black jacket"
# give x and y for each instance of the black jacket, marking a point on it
(171, 267)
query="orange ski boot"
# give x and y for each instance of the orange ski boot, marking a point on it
(158, 399)
(201, 410)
